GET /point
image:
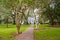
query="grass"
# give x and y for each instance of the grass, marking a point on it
(5, 33)
(50, 33)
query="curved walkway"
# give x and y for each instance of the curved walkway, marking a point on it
(26, 35)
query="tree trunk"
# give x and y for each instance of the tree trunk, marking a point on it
(7, 25)
(6, 20)
(18, 28)
(14, 20)
(17, 22)
(51, 19)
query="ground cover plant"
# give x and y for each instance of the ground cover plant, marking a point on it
(7, 33)
(49, 33)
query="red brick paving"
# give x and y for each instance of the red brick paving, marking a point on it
(26, 35)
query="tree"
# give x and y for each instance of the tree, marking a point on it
(52, 11)
(57, 10)
(11, 5)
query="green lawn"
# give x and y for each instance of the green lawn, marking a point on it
(50, 33)
(5, 33)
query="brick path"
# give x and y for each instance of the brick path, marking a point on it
(26, 35)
